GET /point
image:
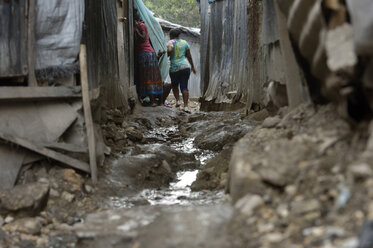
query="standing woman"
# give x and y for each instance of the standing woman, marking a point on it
(148, 76)
(179, 52)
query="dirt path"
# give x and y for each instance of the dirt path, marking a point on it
(302, 179)
(144, 196)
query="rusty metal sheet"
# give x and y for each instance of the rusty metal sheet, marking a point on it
(13, 53)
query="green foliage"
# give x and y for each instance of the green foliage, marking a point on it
(183, 12)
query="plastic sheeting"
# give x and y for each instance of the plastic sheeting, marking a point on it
(362, 21)
(156, 36)
(58, 35)
(13, 55)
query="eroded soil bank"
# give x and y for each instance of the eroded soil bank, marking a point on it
(299, 179)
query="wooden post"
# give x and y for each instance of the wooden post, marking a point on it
(131, 34)
(31, 48)
(88, 113)
(297, 93)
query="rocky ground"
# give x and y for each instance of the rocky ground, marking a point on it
(298, 179)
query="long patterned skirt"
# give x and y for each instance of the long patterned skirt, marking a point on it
(148, 76)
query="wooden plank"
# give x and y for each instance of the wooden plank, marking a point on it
(67, 147)
(38, 94)
(11, 163)
(88, 113)
(121, 45)
(131, 42)
(74, 163)
(31, 48)
(297, 91)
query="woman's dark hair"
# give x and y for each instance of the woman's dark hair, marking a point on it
(175, 33)
(136, 15)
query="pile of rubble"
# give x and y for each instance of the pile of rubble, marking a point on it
(303, 180)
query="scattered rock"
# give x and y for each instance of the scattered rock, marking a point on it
(28, 199)
(272, 177)
(68, 197)
(140, 202)
(9, 219)
(2, 221)
(166, 166)
(248, 204)
(214, 174)
(26, 225)
(291, 190)
(361, 170)
(271, 122)
(304, 207)
(218, 137)
(272, 238)
(88, 188)
(260, 115)
(133, 134)
(54, 193)
(74, 178)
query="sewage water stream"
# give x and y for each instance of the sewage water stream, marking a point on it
(179, 191)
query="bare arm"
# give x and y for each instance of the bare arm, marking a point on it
(141, 34)
(190, 59)
(170, 48)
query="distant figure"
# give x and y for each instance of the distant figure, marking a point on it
(179, 52)
(148, 78)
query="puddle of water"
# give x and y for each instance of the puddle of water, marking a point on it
(179, 192)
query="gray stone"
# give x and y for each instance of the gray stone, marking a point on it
(216, 138)
(2, 221)
(361, 170)
(271, 122)
(54, 193)
(88, 188)
(9, 219)
(273, 177)
(166, 166)
(248, 204)
(25, 200)
(291, 190)
(68, 197)
(134, 134)
(26, 225)
(304, 207)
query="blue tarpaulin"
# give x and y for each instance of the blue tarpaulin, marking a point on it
(156, 36)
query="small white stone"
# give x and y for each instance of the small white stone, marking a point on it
(67, 196)
(361, 170)
(9, 219)
(291, 190)
(265, 227)
(54, 193)
(283, 211)
(273, 238)
(88, 188)
(249, 203)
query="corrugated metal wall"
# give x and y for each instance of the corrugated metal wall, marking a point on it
(240, 53)
(13, 24)
(102, 47)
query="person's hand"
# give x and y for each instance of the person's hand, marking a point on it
(160, 53)
(194, 70)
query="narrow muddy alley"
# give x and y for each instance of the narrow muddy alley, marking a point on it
(162, 184)
(166, 187)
